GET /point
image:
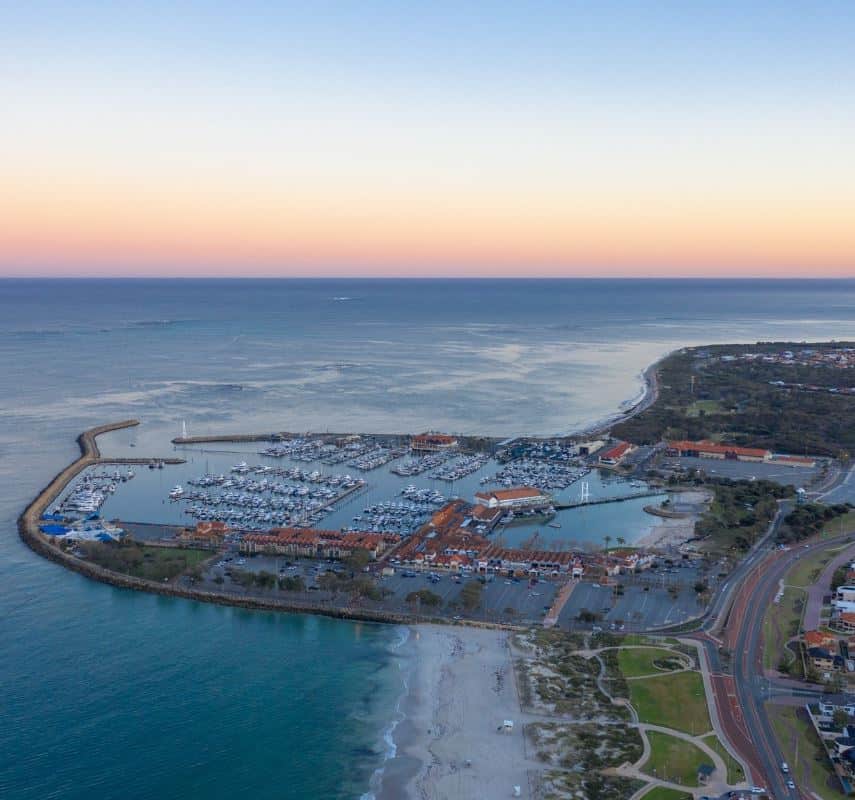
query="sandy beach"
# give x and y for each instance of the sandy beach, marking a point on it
(449, 746)
(672, 532)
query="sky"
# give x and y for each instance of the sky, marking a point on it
(431, 139)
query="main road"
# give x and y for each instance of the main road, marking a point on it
(736, 615)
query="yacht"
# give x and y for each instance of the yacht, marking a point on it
(176, 493)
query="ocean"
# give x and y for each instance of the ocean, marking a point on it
(108, 693)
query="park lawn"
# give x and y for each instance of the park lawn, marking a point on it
(780, 623)
(674, 701)
(636, 639)
(794, 732)
(664, 793)
(735, 773)
(635, 662)
(673, 759)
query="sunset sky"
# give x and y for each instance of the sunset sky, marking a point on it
(439, 138)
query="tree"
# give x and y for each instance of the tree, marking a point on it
(470, 595)
(607, 539)
(292, 583)
(358, 560)
(840, 718)
(424, 596)
(621, 541)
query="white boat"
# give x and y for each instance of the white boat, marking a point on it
(176, 493)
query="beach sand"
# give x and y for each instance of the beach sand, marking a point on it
(461, 689)
(676, 531)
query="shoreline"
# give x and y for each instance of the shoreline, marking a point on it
(647, 396)
(448, 743)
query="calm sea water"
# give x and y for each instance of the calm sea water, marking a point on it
(107, 693)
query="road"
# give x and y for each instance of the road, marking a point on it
(741, 696)
(735, 615)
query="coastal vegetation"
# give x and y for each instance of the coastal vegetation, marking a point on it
(561, 784)
(741, 511)
(141, 561)
(586, 684)
(709, 393)
(810, 519)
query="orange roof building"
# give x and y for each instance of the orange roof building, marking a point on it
(432, 442)
(516, 497)
(314, 543)
(706, 449)
(614, 455)
(821, 638)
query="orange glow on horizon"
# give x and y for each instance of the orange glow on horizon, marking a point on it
(142, 229)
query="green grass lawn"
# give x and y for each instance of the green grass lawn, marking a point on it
(735, 773)
(780, 623)
(674, 701)
(636, 662)
(794, 731)
(845, 523)
(664, 793)
(673, 759)
(141, 561)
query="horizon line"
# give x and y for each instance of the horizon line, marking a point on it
(369, 277)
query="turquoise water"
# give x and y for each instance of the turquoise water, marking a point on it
(111, 694)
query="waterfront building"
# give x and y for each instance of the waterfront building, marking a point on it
(614, 455)
(314, 543)
(515, 498)
(432, 443)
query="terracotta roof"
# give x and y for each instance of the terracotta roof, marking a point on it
(818, 638)
(722, 449)
(616, 452)
(516, 493)
(434, 438)
(314, 536)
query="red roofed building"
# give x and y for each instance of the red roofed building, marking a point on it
(706, 449)
(517, 497)
(206, 532)
(313, 543)
(614, 455)
(796, 461)
(820, 638)
(432, 442)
